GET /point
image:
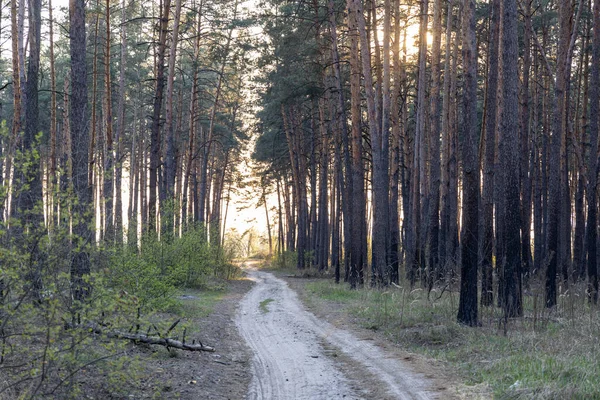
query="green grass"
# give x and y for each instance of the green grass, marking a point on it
(548, 354)
(263, 305)
(200, 304)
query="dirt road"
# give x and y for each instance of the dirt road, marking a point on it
(291, 348)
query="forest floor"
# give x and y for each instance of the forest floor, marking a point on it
(442, 381)
(301, 356)
(224, 374)
(274, 339)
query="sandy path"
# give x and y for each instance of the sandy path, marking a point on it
(289, 361)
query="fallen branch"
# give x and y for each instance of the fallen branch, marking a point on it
(147, 339)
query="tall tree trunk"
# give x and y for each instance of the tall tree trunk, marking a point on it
(434, 144)
(592, 188)
(51, 185)
(80, 263)
(193, 111)
(445, 149)
(92, 142)
(467, 308)
(487, 194)
(109, 157)
(17, 101)
(418, 198)
(323, 215)
(156, 111)
(171, 162)
(341, 116)
(120, 132)
(452, 244)
(394, 259)
(555, 171)
(31, 193)
(22, 50)
(358, 222)
(525, 151)
(509, 153)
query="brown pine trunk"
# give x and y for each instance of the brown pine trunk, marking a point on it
(525, 151)
(82, 235)
(109, 156)
(509, 154)
(415, 240)
(17, 101)
(467, 308)
(322, 236)
(434, 145)
(156, 112)
(93, 125)
(452, 244)
(394, 258)
(171, 161)
(120, 133)
(445, 147)
(51, 185)
(592, 187)
(30, 196)
(341, 116)
(357, 223)
(487, 194)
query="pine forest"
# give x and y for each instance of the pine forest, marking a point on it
(427, 168)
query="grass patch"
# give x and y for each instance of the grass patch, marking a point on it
(547, 354)
(263, 305)
(195, 303)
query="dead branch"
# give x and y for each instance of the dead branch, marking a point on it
(147, 339)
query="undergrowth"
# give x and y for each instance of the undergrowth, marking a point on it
(50, 346)
(547, 354)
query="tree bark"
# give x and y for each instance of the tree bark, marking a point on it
(109, 157)
(171, 162)
(80, 263)
(467, 308)
(358, 222)
(509, 152)
(433, 212)
(592, 187)
(156, 112)
(487, 194)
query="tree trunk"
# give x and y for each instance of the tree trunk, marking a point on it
(80, 263)
(341, 117)
(445, 149)
(592, 187)
(357, 223)
(487, 194)
(120, 132)
(171, 162)
(556, 146)
(509, 153)
(156, 111)
(109, 157)
(31, 193)
(525, 151)
(434, 153)
(394, 259)
(51, 185)
(467, 308)
(418, 184)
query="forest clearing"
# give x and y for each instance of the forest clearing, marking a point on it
(419, 179)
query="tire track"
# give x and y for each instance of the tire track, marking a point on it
(290, 363)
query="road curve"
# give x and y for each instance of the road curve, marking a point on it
(289, 360)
